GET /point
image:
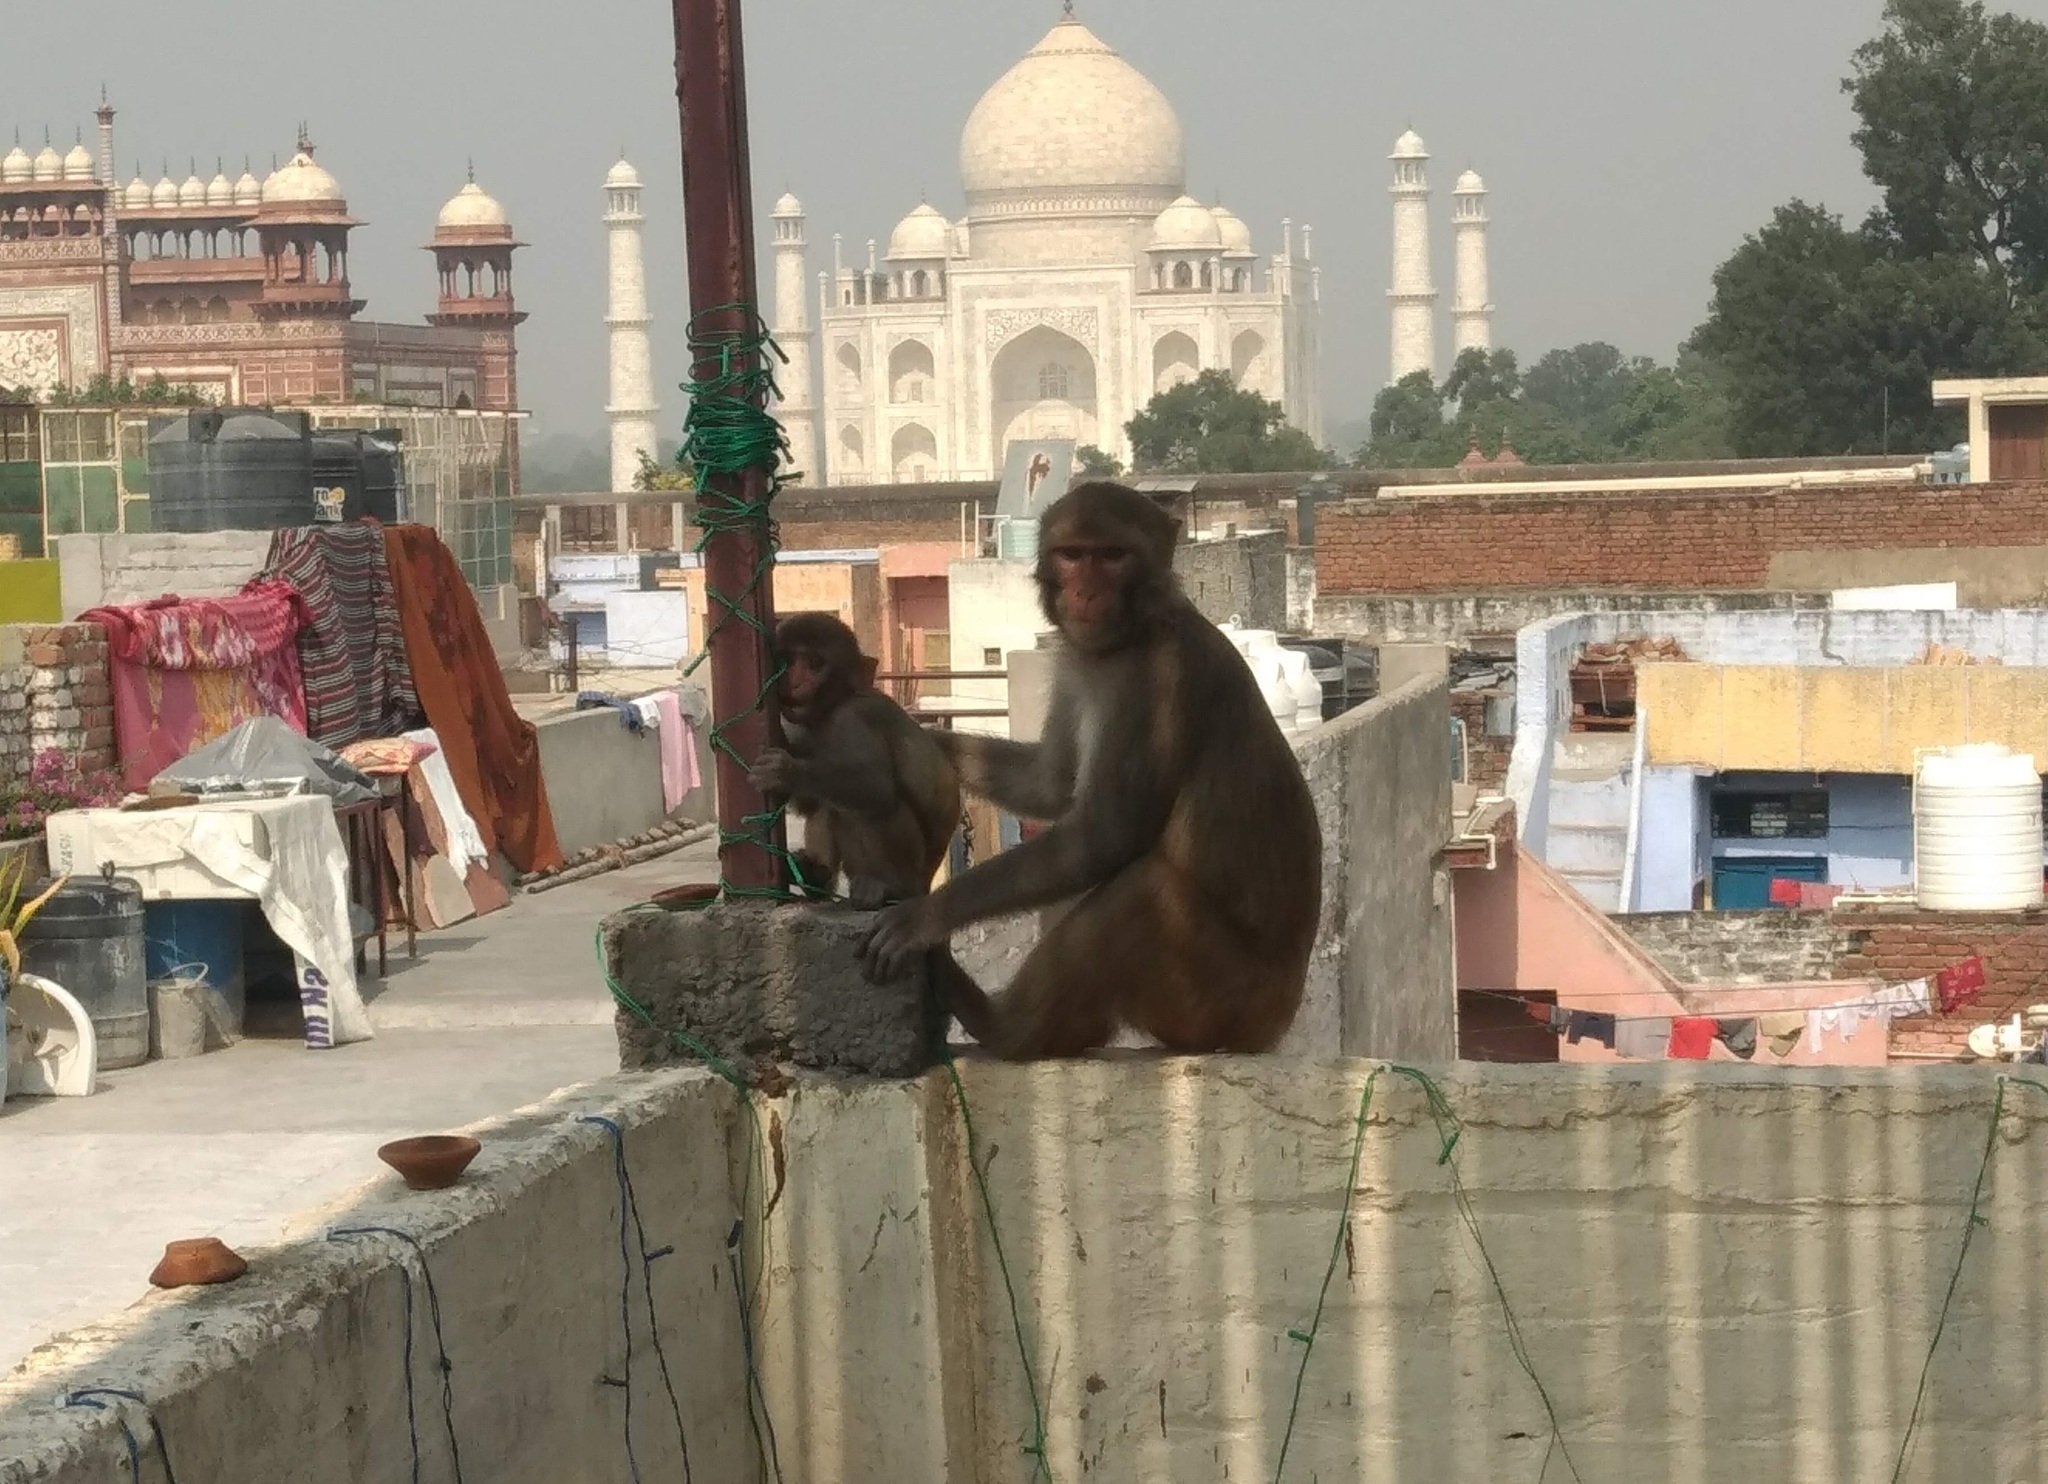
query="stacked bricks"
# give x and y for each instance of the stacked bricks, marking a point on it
(1896, 944)
(55, 692)
(1693, 539)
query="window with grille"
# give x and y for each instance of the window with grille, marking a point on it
(1786, 816)
(1052, 380)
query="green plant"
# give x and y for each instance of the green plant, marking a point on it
(13, 876)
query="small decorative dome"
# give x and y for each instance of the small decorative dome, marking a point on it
(922, 234)
(1409, 147)
(220, 191)
(789, 205)
(49, 164)
(164, 195)
(622, 174)
(17, 167)
(193, 191)
(1469, 184)
(303, 182)
(136, 197)
(470, 209)
(248, 190)
(1072, 121)
(1186, 226)
(1237, 237)
(78, 164)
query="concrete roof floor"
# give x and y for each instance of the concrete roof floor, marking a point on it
(495, 1013)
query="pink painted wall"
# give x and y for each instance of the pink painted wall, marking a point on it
(1521, 926)
(918, 558)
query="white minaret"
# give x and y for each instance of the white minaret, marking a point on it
(1413, 294)
(798, 409)
(632, 408)
(1471, 313)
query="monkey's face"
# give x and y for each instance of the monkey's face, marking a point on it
(805, 675)
(1092, 582)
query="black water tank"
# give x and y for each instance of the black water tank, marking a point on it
(230, 469)
(364, 467)
(88, 938)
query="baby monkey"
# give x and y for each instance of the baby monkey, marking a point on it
(878, 797)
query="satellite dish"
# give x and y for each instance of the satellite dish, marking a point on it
(2037, 1017)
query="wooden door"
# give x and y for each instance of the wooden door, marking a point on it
(918, 637)
(2019, 442)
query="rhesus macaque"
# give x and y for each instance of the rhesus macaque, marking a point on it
(877, 796)
(1181, 820)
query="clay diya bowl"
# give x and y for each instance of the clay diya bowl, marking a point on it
(431, 1161)
(197, 1260)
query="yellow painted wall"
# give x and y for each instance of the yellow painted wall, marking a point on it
(1783, 718)
(28, 592)
(851, 590)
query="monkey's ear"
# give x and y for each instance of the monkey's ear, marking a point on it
(869, 667)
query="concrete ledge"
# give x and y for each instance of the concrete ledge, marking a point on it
(1722, 1274)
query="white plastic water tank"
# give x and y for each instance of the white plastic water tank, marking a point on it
(1308, 691)
(1977, 829)
(1017, 541)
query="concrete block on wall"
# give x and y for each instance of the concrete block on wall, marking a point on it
(647, 631)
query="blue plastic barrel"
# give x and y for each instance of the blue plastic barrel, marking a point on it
(203, 940)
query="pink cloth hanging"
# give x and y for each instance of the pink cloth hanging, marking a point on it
(679, 773)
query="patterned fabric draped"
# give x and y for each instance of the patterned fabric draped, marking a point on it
(492, 752)
(186, 670)
(352, 650)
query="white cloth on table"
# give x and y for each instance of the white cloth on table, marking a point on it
(287, 853)
(465, 840)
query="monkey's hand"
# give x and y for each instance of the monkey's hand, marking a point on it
(900, 936)
(774, 771)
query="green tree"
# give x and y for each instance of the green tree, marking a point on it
(1830, 337)
(1093, 463)
(1408, 427)
(653, 476)
(1481, 376)
(1210, 425)
(1952, 109)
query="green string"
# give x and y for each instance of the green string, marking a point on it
(1449, 1130)
(1035, 1450)
(726, 433)
(1955, 1278)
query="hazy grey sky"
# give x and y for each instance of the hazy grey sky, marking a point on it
(1629, 144)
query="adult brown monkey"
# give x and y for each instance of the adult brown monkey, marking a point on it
(1182, 822)
(878, 797)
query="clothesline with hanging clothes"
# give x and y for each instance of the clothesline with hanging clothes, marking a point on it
(1692, 1037)
(673, 714)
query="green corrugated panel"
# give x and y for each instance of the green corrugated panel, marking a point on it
(21, 491)
(135, 515)
(64, 509)
(135, 476)
(101, 497)
(28, 529)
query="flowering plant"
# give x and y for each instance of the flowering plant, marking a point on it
(55, 783)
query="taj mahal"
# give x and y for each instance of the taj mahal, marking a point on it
(1082, 280)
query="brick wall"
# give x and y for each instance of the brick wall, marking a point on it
(1687, 539)
(1486, 756)
(1770, 947)
(1897, 944)
(54, 692)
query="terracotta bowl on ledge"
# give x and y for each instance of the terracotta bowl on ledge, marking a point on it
(197, 1260)
(431, 1161)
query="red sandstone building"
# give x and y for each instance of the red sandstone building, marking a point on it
(238, 289)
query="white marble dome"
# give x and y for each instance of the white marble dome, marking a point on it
(1469, 184)
(301, 181)
(17, 167)
(136, 197)
(922, 234)
(164, 194)
(471, 209)
(1187, 226)
(193, 191)
(220, 191)
(78, 164)
(622, 174)
(248, 190)
(49, 165)
(1071, 122)
(1237, 237)
(789, 205)
(1409, 147)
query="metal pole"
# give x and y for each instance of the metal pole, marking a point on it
(711, 96)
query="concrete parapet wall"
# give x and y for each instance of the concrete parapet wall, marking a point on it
(1454, 618)
(604, 779)
(1720, 1274)
(112, 569)
(1381, 982)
